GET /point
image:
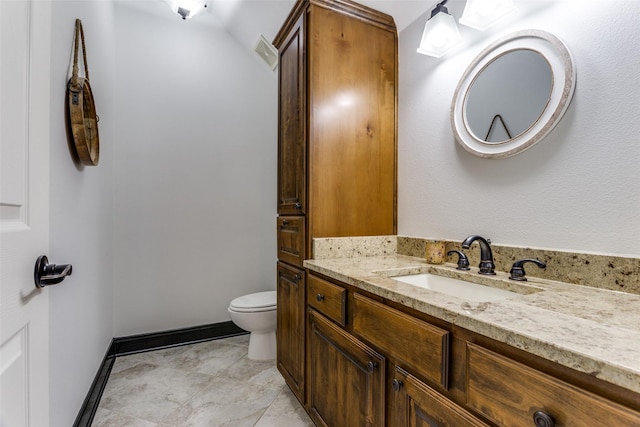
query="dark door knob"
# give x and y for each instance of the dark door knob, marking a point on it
(45, 274)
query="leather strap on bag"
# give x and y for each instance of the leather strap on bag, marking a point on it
(79, 37)
(83, 119)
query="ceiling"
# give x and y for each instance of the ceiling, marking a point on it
(246, 19)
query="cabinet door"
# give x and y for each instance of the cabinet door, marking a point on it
(415, 404)
(346, 378)
(292, 124)
(290, 332)
(515, 395)
(291, 239)
(352, 125)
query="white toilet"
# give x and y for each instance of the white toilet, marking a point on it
(256, 313)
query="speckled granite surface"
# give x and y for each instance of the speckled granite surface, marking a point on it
(592, 330)
(598, 271)
(352, 247)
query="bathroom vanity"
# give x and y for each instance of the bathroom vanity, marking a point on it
(357, 346)
(383, 352)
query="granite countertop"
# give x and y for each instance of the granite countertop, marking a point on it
(590, 330)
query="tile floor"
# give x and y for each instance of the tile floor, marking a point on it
(210, 384)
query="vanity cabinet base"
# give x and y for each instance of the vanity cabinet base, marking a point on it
(346, 378)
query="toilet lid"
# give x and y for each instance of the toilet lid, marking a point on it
(260, 301)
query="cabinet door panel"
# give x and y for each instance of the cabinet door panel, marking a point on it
(352, 128)
(346, 378)
(290, 330)
(415, 404)
(291, 239)
(292, 124)
(510, 393)
(423, 347)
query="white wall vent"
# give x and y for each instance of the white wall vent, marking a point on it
(267, 52)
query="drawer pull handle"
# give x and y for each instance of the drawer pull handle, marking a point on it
(320, 297)
(298, 205)
(297, 277)
(396, 385)
(542, 419)
(371, 366)
(285, 223)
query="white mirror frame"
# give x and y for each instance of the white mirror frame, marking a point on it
(564, 81)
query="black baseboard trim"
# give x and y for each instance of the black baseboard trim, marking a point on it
(158, 340)
(91, 402)
(123, 346)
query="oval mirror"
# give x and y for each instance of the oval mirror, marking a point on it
(513, 94)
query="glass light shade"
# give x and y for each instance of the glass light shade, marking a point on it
(440, 34)
(187, 8)
(481, 14)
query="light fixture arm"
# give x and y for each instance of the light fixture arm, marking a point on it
(183, 12)
(440, 8)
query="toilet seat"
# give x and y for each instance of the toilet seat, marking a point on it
(259, 301)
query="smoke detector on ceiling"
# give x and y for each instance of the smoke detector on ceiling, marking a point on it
(266, 51)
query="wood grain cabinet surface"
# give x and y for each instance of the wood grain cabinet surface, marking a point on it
(415, 404)
(352, 78)
(512, 394)
(290, 328)
(292, 146)
(328, 299)
(291, 239)
(416, 343)
(337, 149)
(346, 378)
(337, 114)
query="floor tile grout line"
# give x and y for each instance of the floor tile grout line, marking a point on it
(269, 406)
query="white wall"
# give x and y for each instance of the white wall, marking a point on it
(195, 173)
(81, 308)
(575, 190)
(179, 216)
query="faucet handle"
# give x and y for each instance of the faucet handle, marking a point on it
(463, 261)
(517, 270)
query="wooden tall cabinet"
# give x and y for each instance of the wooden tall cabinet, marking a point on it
(337, 114)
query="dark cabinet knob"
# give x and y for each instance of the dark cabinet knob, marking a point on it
(298, 205)
(371, 366)
(284, 223)
(396, 384)
(542, 419)
(297, 277)
(320, 297)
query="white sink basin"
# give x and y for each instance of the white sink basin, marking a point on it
(457, 288)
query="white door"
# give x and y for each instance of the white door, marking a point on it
(25, 33)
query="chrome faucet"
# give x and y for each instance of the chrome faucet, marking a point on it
(486, 255)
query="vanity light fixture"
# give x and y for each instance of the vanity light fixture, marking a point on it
(481, 14)
(440, 32)
(188, 8)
